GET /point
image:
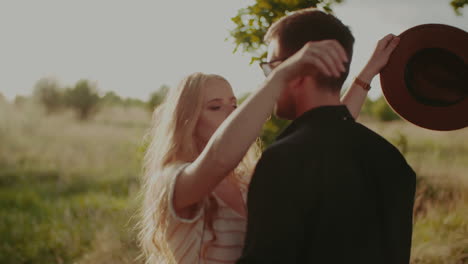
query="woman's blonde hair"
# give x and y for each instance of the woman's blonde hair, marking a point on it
(171, 140)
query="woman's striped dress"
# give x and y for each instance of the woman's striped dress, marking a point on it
(185, 239)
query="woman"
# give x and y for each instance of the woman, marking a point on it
(197, 167)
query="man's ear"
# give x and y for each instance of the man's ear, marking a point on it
(296, 86)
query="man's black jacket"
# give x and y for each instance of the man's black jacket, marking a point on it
(329, 190)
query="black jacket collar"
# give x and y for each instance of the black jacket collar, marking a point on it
(318, 115)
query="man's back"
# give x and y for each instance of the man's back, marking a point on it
(329, 190)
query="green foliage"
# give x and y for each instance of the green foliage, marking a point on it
(401, 142)
(457, 5)
(382, 110)
(379, 110)
(271, 129)
(83, 98)
(157, 97)
(46, 220)
(242, 98)
(133, 102)
(111, 98)
(48, 93)
(367, 107)
(253, 21)
(70, 204)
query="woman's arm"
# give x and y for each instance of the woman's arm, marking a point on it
(355, 96)
(228, 145)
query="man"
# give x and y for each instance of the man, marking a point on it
(328, 190)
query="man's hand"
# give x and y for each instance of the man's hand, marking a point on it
(327, 57)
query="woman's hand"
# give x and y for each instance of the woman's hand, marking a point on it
(380, 57)
(355, 96)
(327, 57)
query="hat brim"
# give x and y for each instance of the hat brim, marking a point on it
(393, 82)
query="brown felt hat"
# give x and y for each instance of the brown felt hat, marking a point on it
(426, 78)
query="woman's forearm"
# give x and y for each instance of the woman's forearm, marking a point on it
(355, 96)
(236, 134)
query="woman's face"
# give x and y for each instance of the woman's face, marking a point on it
(219, 102)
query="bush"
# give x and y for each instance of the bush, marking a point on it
(111, 98)
(48, 93)
(156, 98)
(83, 98)
(379, 109)
(133, 102)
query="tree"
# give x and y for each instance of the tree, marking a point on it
(133, 102)
(157, 97)
(272, 128)
(457, 5)
(253, 21)
(83, 98)
(111, 98)
(48, 93)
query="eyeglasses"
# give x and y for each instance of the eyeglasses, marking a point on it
(267, 67)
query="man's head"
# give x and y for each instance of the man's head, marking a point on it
(290, 33)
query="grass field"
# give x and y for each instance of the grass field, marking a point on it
(68, 188)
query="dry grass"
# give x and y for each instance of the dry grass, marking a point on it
(60, 142)
(67, 188)
(441, 207)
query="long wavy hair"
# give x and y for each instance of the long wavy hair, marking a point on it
(171, 140)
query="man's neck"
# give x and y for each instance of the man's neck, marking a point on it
(316, 99)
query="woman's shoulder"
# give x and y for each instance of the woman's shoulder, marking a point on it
(171, 173)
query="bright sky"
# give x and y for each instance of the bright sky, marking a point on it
(134, 47)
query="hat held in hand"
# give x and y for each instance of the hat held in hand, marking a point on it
(426, 78)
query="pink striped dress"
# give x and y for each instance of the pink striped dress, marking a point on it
(187, 238)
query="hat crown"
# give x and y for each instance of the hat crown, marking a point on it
(437, 77)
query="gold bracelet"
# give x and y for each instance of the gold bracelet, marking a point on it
(364, 85)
